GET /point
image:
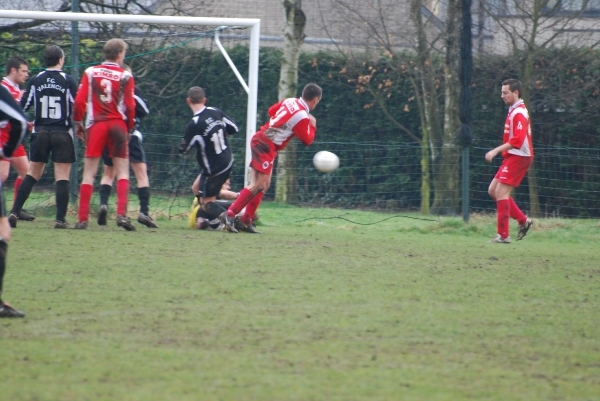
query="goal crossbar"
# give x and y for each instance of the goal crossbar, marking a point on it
(253, 23)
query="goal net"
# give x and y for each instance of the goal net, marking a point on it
(168, 55)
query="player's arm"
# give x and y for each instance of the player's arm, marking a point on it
(520, 128)
(489, 156)
(129, 103)
(228, 195)
(230, 125)
(79, 106)
(11, 111)
(141, 104)
(274, 109)
(184, 145)
(72, 85)
(305, 130)
(27, 99)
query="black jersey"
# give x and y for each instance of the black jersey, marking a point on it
(141, 106)
(52, 92)
(208, 131)
(13, 120)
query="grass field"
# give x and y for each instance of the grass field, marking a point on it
(323, 309)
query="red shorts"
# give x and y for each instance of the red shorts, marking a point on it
(110, 134)
(19, 151)
(513, 169)
(263, 154)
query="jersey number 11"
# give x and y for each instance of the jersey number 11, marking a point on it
(218, 141)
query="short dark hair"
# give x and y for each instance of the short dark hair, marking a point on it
(514, 85)
(311, 91)
(112, 48)
(196, 94)
(52, 55)
(15, 62)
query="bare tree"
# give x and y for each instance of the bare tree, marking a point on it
(392, 28)
(293, 36)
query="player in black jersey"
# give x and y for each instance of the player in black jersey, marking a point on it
(52, 93)
(208, 131)
(11, 113)
(137, 161)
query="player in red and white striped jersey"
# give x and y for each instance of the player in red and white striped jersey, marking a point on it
(517, 150)
(106, 95)
(289, 118)
(17, 72)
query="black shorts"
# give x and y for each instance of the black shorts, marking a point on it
(136, 150)
(211, 185)
(59, 142)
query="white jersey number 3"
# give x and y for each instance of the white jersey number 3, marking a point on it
(107, 87)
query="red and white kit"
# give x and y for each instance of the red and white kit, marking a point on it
(289, 118)
(106, 93)
(16, 93)
(517, 132)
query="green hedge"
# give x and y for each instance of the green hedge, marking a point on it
(381, 164)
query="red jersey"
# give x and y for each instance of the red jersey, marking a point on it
(17, 94)
(517, 131)
(105, 93)
(289, 118)
(13, 88)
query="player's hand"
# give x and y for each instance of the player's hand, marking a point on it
(312, 120)
(489, 156)
(80, 131)
(30, 126)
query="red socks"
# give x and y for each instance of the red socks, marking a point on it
(251, 208)
(122, 196)
(85, 196)
(516, 213)
(240, 202)
(503, 207)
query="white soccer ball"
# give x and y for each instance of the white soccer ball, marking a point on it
(325, 161)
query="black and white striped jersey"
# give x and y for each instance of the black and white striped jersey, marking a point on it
(52, 93)
(13, 119)
(208, 132)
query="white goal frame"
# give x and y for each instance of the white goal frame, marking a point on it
(253, 23)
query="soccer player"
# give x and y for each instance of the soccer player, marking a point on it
(289, 118)
(52, 93)
(137, 160)
(199, 219)
(208, 131)
(17, 72)
(106, 93)
(12, 115)
(517, 150)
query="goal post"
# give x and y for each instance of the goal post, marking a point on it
(253, 23)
